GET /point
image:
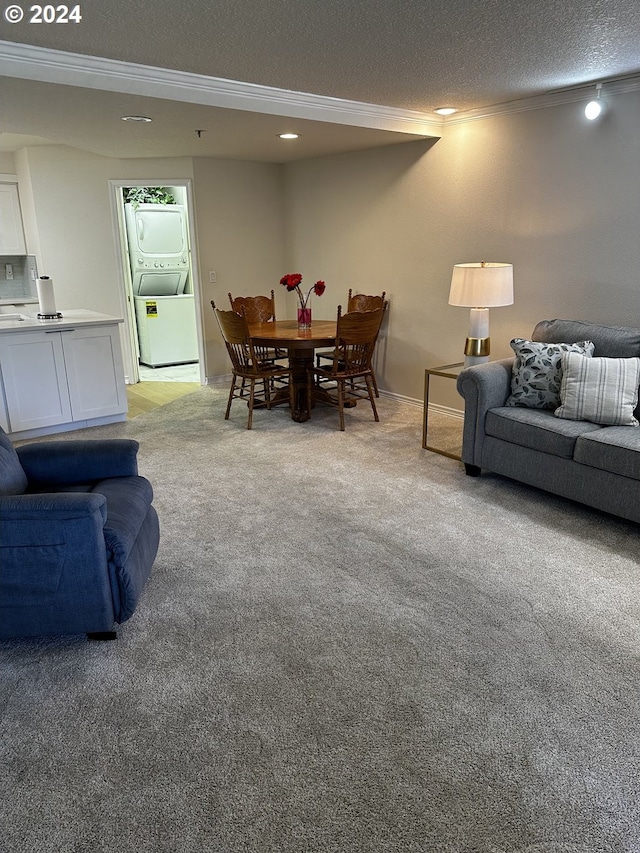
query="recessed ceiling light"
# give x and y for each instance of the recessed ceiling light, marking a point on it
(446, 111)
(136, 118)
(289, 135)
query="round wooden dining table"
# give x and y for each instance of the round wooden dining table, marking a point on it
(300, 345)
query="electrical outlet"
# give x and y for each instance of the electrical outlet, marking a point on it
(212, 277)
(8, 271)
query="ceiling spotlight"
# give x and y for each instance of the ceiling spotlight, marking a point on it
(289, 135)
(136, 118)
(445, 111)
(594, 108)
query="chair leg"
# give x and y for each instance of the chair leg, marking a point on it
(231, 391)
(252, 391)
(375, 384)
(102, 636)
(369, 382)
(341, 402)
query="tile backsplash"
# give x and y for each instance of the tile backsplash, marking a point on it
(18, 276)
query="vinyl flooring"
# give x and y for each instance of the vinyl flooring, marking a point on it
(146, 396)
(159, 386)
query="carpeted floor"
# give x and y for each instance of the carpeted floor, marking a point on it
(346, 645)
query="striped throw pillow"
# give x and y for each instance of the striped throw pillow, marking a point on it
(600, 390)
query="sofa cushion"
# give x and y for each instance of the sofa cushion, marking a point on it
(609, 341)
(537, 372)
(600, 390)
(537, 429)
(13, 480)
(615, 449)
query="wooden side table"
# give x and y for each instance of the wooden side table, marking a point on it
(448, 371)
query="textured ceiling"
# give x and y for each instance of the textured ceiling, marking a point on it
(414, 54)
(410, 54)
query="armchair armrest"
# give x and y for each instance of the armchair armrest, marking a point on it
(484, 387)
(54, 575)
(59, 463)
(47, 509)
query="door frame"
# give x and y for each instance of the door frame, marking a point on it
(130, 352)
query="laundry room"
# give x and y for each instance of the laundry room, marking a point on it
(156, 241)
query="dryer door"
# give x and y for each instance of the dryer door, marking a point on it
(158, 283)
(160, 229)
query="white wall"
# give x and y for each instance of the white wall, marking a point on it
(555, 195)
(69, 227)
(69, 223)
(7, 166)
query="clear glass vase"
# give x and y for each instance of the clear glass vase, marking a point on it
(304, 318)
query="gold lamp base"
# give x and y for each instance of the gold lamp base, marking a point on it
(477, 347)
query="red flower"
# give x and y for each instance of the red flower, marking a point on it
(292, 282)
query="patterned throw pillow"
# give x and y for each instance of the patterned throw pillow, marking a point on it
(537, 372)
(600, 390)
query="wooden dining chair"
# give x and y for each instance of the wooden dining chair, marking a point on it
(247, 366)
(358, 302)
(362, 302)
(350, 367)
(259, 309)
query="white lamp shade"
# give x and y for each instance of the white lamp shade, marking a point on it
(481, 285)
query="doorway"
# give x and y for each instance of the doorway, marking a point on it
(160, 288)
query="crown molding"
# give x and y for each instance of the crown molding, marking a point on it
(29, 62)
(569, 95)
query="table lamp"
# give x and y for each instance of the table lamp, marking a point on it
(480, 286)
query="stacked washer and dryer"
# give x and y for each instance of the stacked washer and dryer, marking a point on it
(159, 257)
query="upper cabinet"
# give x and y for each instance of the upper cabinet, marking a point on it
(12, 240)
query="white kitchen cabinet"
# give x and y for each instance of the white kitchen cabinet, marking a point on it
(95, 373)
(60, 379)
(12, 240)
(34, 378)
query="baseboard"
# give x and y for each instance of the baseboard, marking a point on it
(433, 407)
(447, 410)
(216, 380)
(410, 401)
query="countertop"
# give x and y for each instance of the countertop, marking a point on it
(69, 320)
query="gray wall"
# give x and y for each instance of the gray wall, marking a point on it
(557, 196)
(240, 233)
(544, 189)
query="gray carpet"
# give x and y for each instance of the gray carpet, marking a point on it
(345, 645)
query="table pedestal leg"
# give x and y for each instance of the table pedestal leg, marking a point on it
(299, 361)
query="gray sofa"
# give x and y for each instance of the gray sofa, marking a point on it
(587, 462)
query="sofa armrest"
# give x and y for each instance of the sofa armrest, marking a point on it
(56, 463)
(483, 387)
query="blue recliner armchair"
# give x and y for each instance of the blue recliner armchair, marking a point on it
(78, 536)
